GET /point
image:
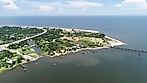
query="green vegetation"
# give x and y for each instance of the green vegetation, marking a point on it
(10, 34)
(47, 41)
(9, 59)
(88, 34)
(53, 42)
(17, 53)
(88, 43)
(18, 45)
(56, 40)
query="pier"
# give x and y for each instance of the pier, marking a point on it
(128, 49)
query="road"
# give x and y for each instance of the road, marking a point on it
(27, 38)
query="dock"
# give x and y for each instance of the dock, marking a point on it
(129, 49)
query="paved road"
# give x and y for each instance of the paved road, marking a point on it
(27, 38)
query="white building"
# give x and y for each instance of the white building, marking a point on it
(1, 49)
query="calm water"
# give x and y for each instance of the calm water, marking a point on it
(103, 66)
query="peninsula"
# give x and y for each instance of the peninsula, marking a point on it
(17, 43)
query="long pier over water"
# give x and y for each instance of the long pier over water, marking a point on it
(128, 49)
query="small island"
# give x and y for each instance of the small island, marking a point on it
(23, 44)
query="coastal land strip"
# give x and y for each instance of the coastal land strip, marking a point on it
(20, 48)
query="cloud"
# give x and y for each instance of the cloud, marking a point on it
(134, 1)
(73, 7)
(68, 5)
(133, 4)
(83, 4)
(46, 8)
(9, 4)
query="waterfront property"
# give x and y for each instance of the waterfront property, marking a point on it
(53, 42)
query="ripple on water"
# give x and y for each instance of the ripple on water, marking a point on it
(79, 59)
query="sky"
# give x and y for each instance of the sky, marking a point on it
(72, 7)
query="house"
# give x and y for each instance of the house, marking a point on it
(1, 49)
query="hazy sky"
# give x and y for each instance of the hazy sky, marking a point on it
(72, 7)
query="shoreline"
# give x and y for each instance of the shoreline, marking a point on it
(115, 42)
(19, 65)
(119, 43)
